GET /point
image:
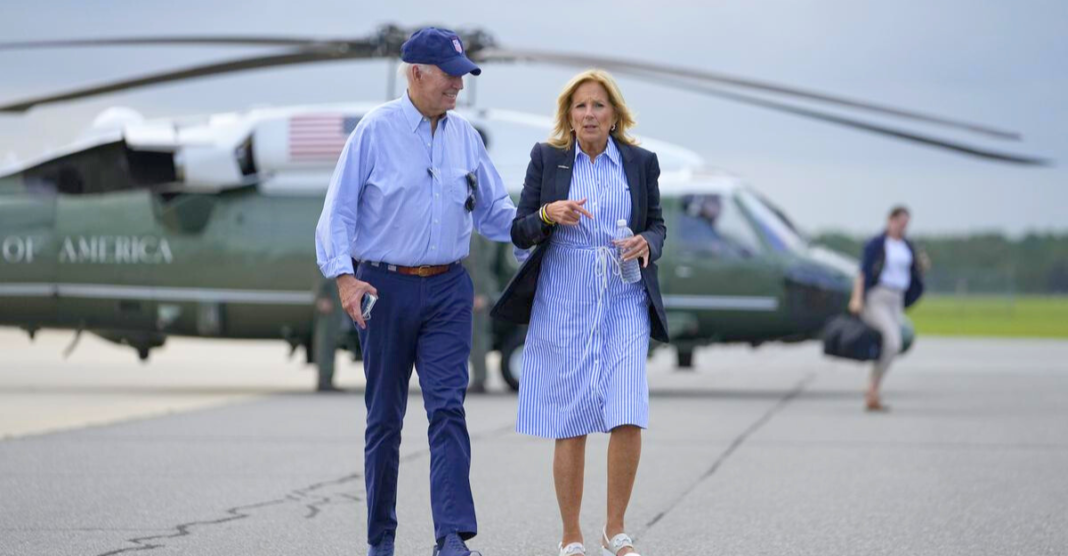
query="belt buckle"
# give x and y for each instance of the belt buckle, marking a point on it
(423, 271)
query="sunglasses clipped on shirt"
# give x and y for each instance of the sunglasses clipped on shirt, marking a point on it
(472, 191)
(472, 188)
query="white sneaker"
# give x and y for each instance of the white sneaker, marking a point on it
(573, 549)
(618, 542)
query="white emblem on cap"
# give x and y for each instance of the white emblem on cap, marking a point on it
(456, 44)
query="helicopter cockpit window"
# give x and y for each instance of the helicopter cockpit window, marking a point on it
(779, 233)
(711, 224)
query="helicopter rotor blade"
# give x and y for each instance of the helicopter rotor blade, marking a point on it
(509, 55)
(304, 56)
(482, 47)
(386, 41)
(202, 40)
(844, 121)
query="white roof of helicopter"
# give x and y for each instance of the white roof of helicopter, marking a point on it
(700, 180)
(204, 147)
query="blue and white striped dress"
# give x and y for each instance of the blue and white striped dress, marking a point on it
(584, 359)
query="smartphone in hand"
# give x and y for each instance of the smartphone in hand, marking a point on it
(369, 300)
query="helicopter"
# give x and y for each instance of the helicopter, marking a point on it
(202, 226)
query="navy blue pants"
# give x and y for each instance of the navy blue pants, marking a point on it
(425, 322)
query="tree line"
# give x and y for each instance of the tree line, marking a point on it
(987, 263)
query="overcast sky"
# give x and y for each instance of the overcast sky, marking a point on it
(1000, 63)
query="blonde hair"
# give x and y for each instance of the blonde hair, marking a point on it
(562, 137)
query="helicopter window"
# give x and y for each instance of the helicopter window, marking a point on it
(779, 233)
(712, 225)
(12, 184)
(69, 180)
(102, 169)
(245, 158)
(21, 184)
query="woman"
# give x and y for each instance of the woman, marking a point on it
(890, 280)
(584, 360)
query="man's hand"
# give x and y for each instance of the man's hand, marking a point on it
(351, 292)
(567, 212)
(634, 248)
(856, 306)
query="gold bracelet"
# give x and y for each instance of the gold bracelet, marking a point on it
(545, 216)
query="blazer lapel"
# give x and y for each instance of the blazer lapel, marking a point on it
(630, 166)
(565, 165)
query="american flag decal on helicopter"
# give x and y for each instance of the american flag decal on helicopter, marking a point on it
(319, 137)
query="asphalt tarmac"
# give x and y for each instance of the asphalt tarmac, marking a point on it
(221, 448)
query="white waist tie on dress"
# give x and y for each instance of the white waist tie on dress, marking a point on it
(608, 263)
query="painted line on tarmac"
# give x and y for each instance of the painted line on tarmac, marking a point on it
(737, 443)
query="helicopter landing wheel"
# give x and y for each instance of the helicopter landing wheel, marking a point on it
(309, 351)
(512, 359)
(685, 359)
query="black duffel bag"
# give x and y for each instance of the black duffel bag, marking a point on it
(849, 337)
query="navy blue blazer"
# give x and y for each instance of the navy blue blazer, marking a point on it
(873, 260)
(549, 179)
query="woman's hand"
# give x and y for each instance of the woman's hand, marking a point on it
(856, 299)
(634, 248)
(567, 212)
(924, 261)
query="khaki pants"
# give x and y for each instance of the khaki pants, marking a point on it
(884, 310)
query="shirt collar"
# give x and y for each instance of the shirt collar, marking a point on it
(610, 150)
(414, 116)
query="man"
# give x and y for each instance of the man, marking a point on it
(699, 229)
(410, 183)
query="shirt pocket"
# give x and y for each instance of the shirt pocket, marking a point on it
(456, 186)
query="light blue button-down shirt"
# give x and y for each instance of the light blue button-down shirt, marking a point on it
(398, 193)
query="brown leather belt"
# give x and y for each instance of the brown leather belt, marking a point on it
(424, 271)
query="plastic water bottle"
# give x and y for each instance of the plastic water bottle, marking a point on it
(629, 269)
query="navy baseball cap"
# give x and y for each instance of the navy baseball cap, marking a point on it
(439, 47)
